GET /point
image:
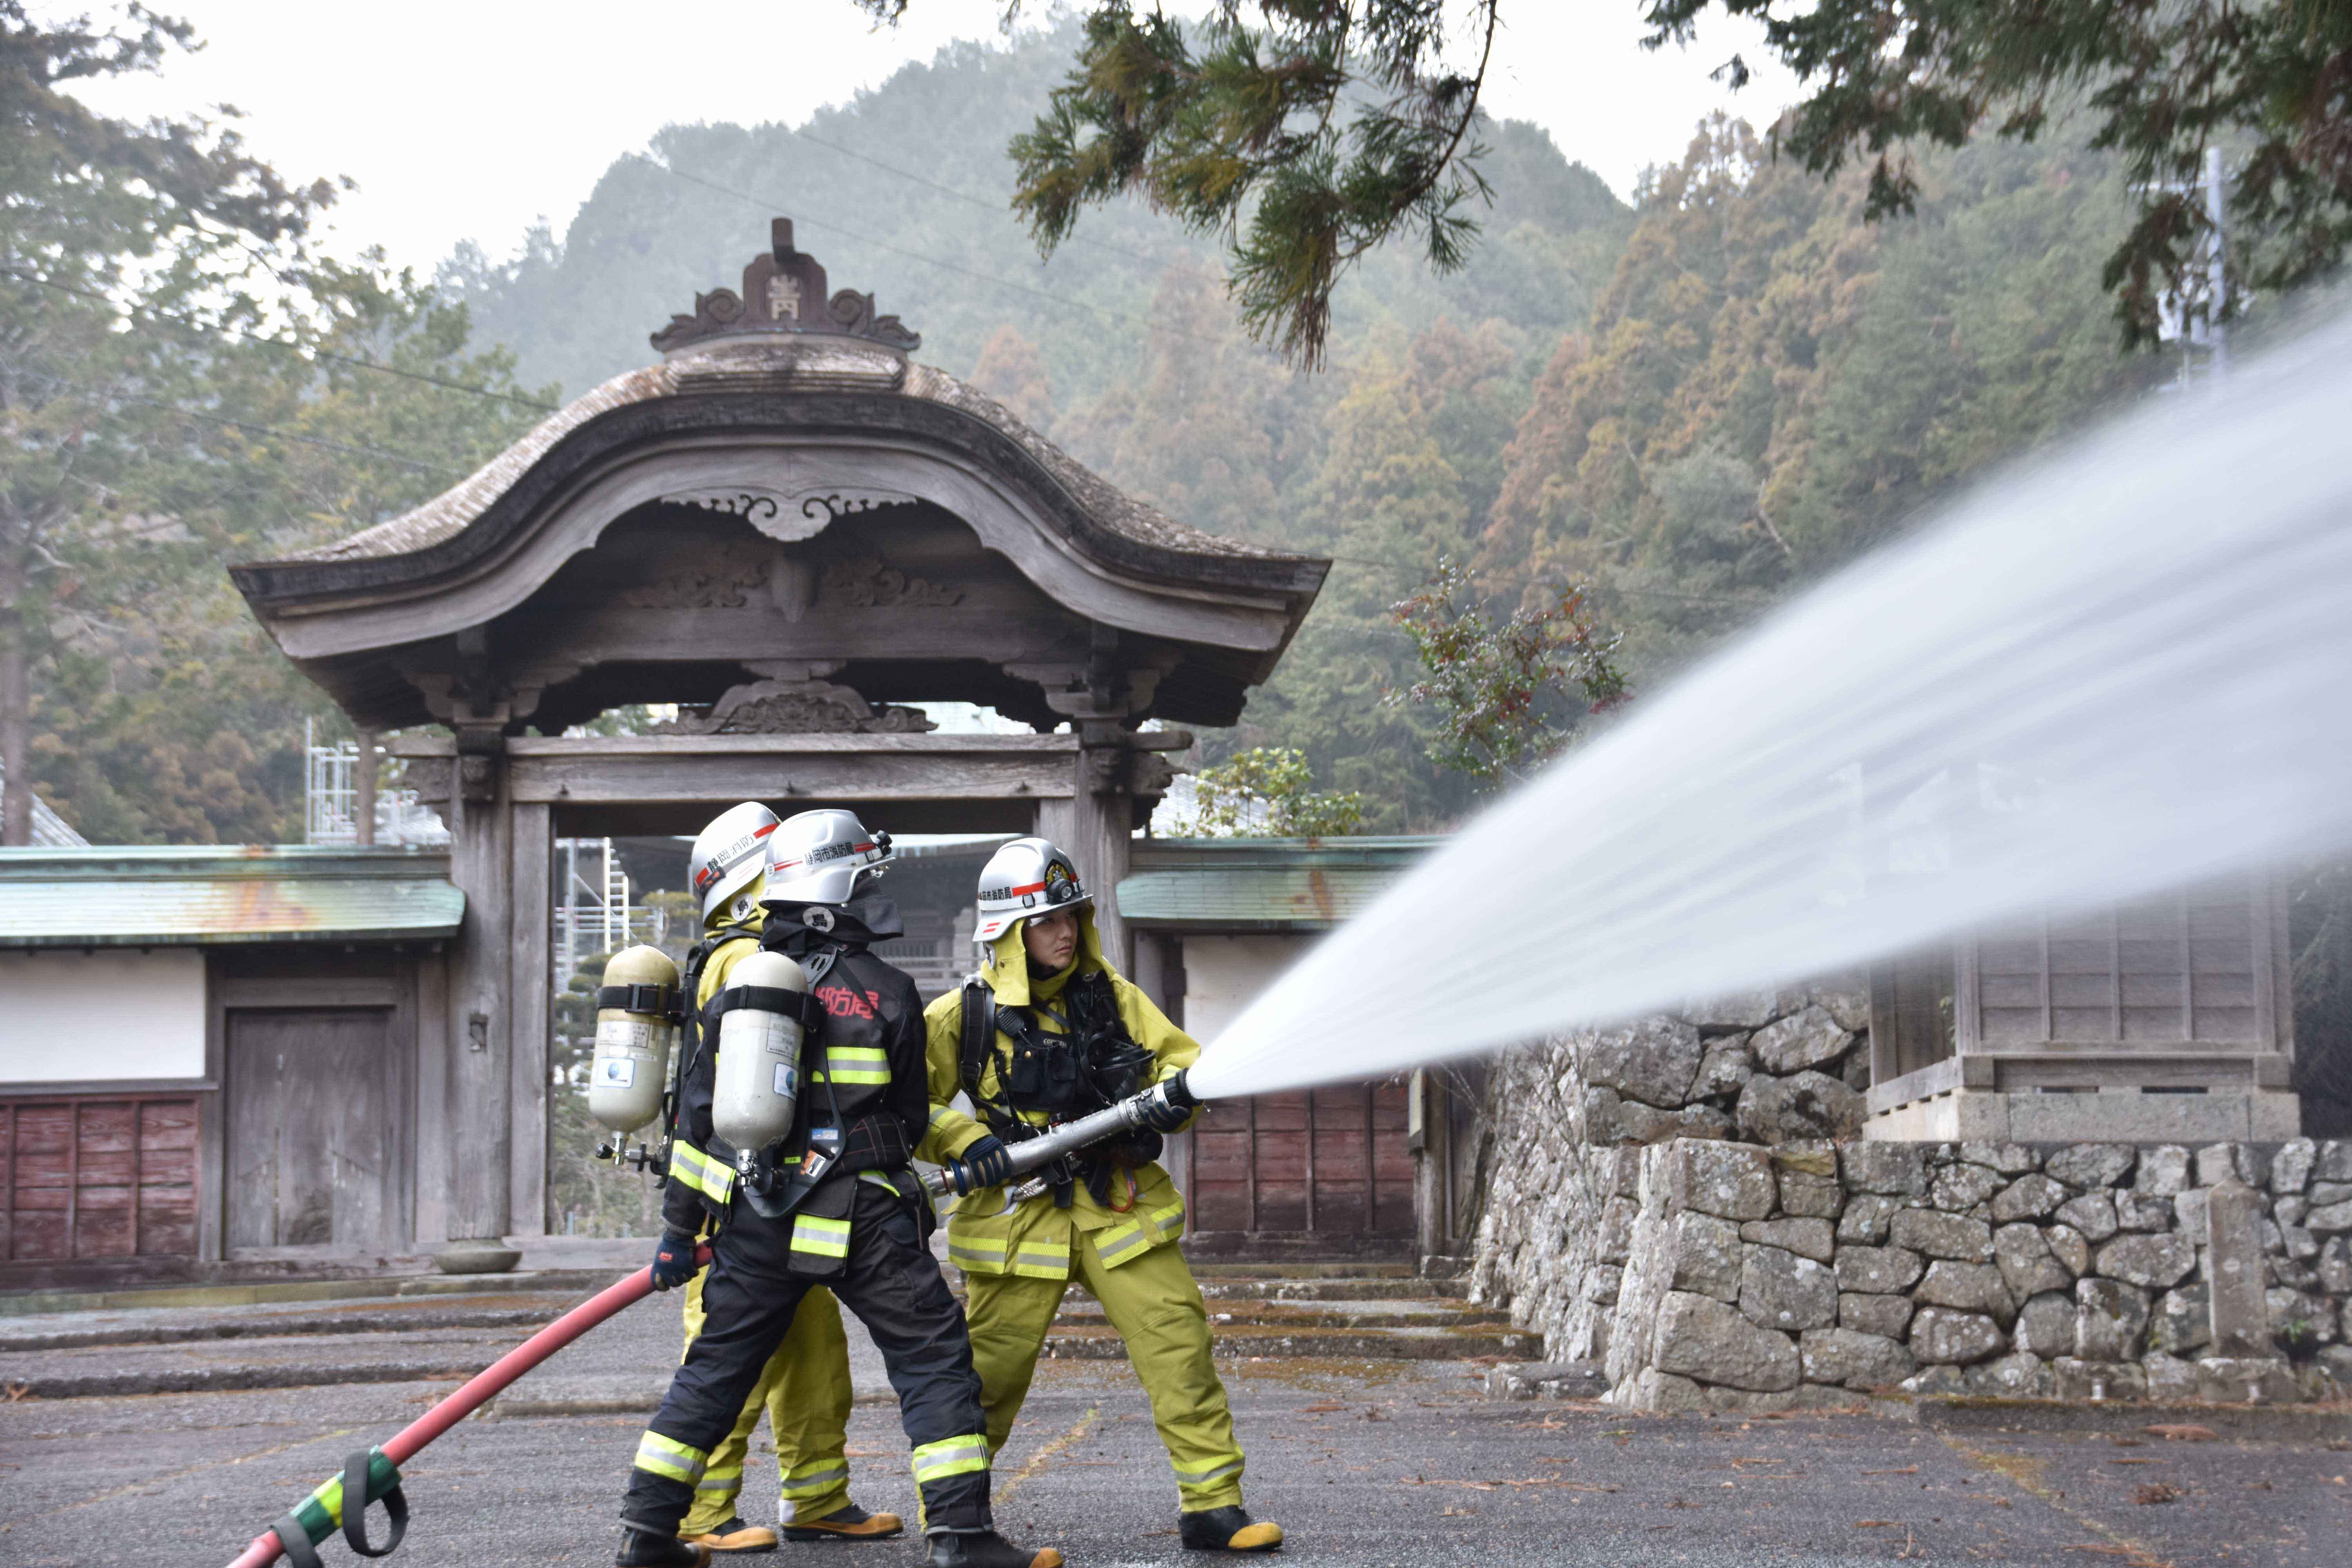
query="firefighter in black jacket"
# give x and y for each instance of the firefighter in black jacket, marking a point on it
(833, 1201)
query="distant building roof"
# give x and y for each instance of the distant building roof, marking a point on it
(113, 895)
(1240, 885)
(49, 829)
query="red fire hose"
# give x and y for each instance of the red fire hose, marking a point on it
(267, 1548)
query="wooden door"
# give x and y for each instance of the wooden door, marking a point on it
(1327, 1165)
(313, 1132)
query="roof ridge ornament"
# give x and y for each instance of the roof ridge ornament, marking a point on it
(784, 292)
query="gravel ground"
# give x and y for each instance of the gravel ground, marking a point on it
(1363, 1464)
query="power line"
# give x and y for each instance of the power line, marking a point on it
(352, 360)
(772, 204)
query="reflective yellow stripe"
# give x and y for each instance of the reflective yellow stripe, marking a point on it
(667, 1457)
(964, 1255)
(822, 1238)
(816, 1479)
(940, 1113)
(858, 1064)
(1118, 1240)
(882, 1180)
(954, 1456)
(701, 1172)
(725, 1479)
(1201, 1477)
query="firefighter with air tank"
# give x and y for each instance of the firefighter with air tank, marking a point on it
(1048, 1031)
(801, 1095)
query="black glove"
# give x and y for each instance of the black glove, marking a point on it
(674, 1260)
(1167, 1111)
(987, 1163)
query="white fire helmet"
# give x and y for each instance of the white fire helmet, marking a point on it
(822, 857)
(729, 854)
(1027, 876)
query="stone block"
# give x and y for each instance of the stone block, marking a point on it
(2027, 1264)
(1660, 1393)
(1879, 1270)
(1942, 1337)
(2110, 1319)
(2092, 1214)
(1854, 1360)
(1850, 1009)
(2092, 1164)
(1707, 1256)
(1647, 1124)
(2008, 1159)
(2189, 1210)
(1810, 1197)
(1936, 1382)
(1864, 1221)
(1898, 1170)
(1805, 1040)
(2219, 1162)
(1971, 1287)
(2336, 1361)
(1962, 1187)
(2329, 1219)
(1727, 1180)
(1575, 1380)
(2291, 1166)
(1806, 1156)
(1743, 1402)
(2081, 1379)
(2328, 1192)
(1807, 1105)
(1518, 1379)
(1601, 1109)
(1855, 1073)
(2151, 1262)
(2017, 1375)
(2246, 1380)
(1699, 1337)
(1603, 1284)
(1740, 1010)
(2233, 1268)
(2182, 1323)
(2069, 1246)
(2301, 1245)
(2288, 1272)
(2163, 1171)
(1725, 1067)
(1810, 1238)
(2333, 1161)
(1888, 1316)
(1616, 1237)
(1622, 1170)
(2170, 1380)
(2045, 1325)
(2334, 1266)
(1778, 1289)
(2034, 1196)
(2143, 1211)
(1941, 1235)
(1653, 1061)
(2290, 1212)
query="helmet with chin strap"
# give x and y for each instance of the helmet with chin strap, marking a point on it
(1027, 876)
(822, 858)
(727, 857)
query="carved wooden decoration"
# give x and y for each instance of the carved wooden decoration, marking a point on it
(867, 582)
(715, 580)
(798, 708)
(785, 292)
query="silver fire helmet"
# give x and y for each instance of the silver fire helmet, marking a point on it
(822, 858)
(727, 857)
(1027, 876)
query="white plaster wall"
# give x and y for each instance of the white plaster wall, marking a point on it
(75, 1018)
(1224, 975)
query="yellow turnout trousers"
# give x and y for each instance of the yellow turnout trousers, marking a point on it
(1156, 1307)
(804, 1389)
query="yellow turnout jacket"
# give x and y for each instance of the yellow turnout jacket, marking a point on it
(1033, 1238)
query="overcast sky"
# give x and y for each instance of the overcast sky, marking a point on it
(469, 120)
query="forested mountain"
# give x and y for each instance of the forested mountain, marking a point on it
(1696, 403)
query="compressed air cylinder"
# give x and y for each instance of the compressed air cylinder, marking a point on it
(632, 1066)
(758, 1067)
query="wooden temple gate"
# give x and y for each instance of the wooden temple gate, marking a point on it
(790, 530)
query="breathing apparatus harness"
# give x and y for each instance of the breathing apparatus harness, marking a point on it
(1091, 1065)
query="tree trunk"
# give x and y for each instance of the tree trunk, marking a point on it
(15, 726)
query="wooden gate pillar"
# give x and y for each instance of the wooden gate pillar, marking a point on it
(530, 967)
(1093, 827)
(479, 1085)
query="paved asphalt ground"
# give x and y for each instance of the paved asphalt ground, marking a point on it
(1363, 1463)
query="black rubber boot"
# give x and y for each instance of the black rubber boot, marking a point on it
(848, 1523)
(988, 1551)
(643, 1549)
(1227, 1530)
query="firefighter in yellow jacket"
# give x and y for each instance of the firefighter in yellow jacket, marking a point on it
(1071, 1035)
(805, 1388)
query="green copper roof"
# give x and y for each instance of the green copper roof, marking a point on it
(1259, 884)
(113, 895)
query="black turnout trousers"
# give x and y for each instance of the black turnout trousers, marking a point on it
(892, 1282)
